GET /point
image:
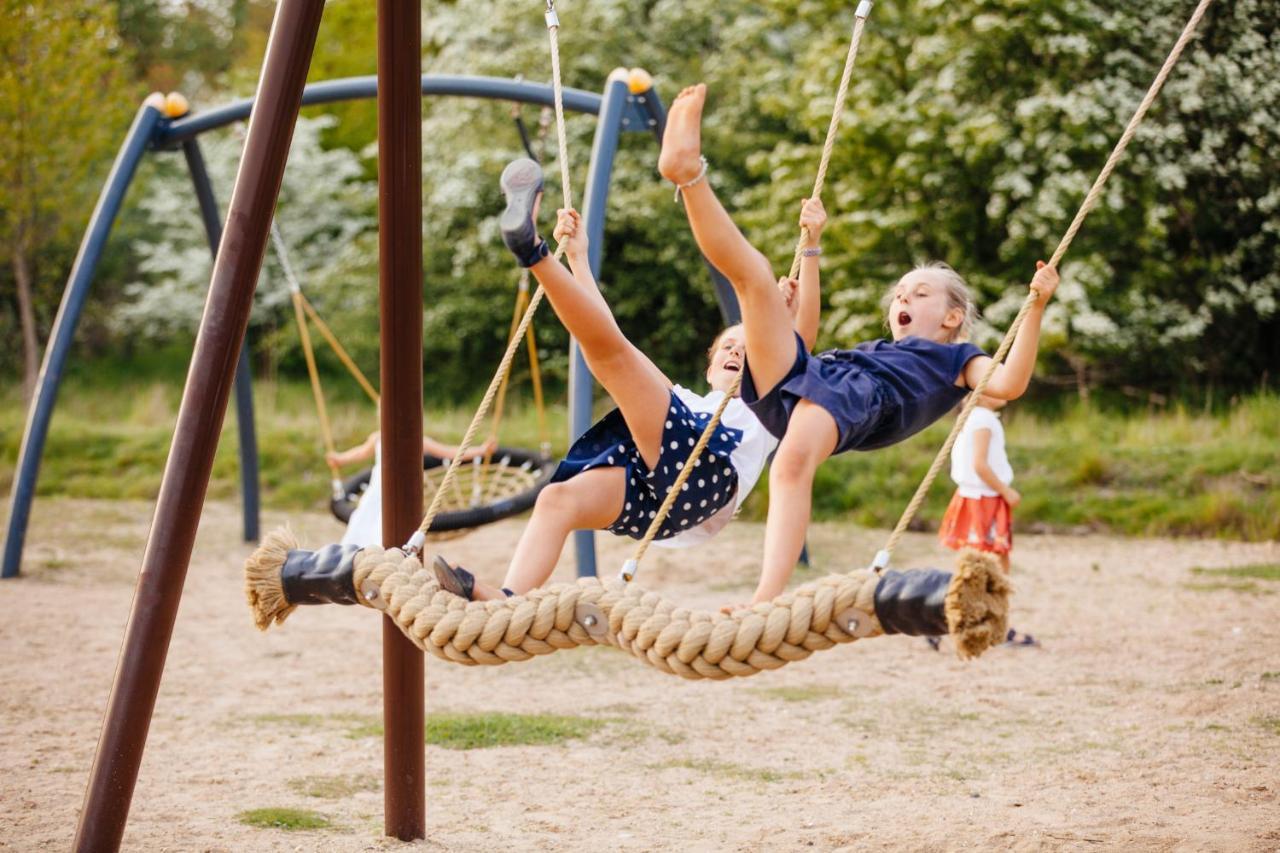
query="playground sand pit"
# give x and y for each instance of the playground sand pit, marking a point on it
(1148, 720)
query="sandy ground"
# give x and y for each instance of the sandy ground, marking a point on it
(1149, 719)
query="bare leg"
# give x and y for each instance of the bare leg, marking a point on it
(811, 437)
(771, 347)
(589, 501)
(641, 391)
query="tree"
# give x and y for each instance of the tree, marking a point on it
(971, 134)
(63, 103)
(325, 215)
(180, 43)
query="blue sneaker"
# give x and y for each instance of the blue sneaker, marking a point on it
(522, 185)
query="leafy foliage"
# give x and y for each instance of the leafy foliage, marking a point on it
(64, 101)
(972, 133)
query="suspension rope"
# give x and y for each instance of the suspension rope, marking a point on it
(631, 566)
(325, 332)
(414, 546)
(326, 430)
(883, 557)
(308, 352)
(295, 290)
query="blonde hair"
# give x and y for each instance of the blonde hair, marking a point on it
(958, 296)
(715, 344)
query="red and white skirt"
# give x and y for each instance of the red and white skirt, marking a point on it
(984, 523)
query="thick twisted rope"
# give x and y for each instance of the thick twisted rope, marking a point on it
(690, 643)
(414, 545)
(631, 566)
(1090, 200)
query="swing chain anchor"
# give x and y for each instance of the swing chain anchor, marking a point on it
(553, 20)
(881, 562)
(629, 569)
(864, 9)
(338, 491)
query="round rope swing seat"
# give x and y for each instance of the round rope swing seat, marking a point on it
(482, 493)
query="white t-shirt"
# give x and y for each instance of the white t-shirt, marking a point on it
(748, 458)
(365, 526)
(968, 483)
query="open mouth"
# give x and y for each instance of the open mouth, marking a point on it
(732, 366)
(904, 319)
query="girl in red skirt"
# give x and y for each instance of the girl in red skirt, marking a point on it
(981, 512)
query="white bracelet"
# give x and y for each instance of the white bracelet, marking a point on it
(811, 253)
(699, 178)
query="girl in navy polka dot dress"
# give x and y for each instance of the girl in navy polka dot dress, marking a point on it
(871, 396)
(618, 473)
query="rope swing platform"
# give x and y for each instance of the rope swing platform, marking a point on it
(694, 644)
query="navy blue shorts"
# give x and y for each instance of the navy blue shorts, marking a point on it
(851, 396)
(708, 490)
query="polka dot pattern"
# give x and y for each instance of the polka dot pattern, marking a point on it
(609, 444)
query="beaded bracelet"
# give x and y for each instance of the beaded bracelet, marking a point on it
(699, 178)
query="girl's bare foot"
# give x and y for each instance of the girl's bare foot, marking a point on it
(682, 139)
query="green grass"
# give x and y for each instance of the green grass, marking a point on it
(354, 723)
(1237, 579)
(1247, 587)
(1258, 571)
(482, 731)
(1173, 472)
(729, 770)
(814, 693)
(335, 787)
(287, 819)
(1271, 724)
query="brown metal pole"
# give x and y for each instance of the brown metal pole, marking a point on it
(204, 403)
(400, 256)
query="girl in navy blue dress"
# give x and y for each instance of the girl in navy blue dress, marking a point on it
(871, 396)
(618, 473)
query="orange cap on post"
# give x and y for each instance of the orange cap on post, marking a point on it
(176, 105)
(639, 81)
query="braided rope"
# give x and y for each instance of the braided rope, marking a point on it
(833, 128)
(322, 413)
(1090, 200)
(295, 288)
(504, 366)
(345, 357)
